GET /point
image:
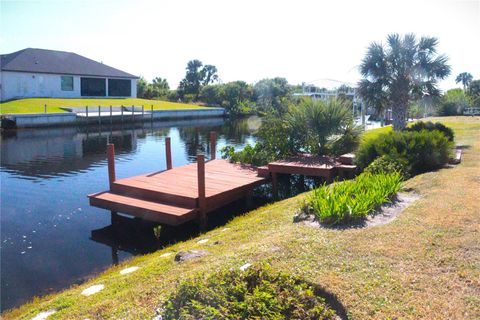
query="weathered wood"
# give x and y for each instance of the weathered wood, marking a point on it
(202, 205)
(213, 145)
(168, 152)
(111, 163)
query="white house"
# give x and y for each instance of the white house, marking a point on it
(57, 74)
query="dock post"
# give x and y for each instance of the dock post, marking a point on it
(201, 191)
(45, 108)
(121, 111)
(151, 112)
(168, 152)
(99, 116)
(275, 185)
(111, 163)
(143, 112)
(86, 111)
(111, 119)
(133, 113)
(213, 145)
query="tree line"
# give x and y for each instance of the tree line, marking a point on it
(401, 75)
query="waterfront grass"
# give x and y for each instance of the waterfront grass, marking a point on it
(423, 265)
(37, 105)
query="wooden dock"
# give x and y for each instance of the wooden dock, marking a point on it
(310, 165)
(180, 194)
(189, 192)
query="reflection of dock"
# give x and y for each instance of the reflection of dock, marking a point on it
(180, 194)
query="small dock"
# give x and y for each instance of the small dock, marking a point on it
(180, 194)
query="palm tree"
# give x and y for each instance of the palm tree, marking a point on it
(465, 78)
(401, 71)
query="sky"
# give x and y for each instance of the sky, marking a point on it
(319, 42)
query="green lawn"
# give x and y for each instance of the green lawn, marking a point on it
(36, 105)
(423, 265)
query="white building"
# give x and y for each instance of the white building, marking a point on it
(32, 73)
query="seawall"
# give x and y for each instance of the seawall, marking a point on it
(105, 116)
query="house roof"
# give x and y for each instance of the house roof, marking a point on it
(57, 62)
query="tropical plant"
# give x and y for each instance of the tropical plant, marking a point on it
(312, 126)
(352, 200)
(465, 78)
(401, 71)
(422, 150)
(256, 293)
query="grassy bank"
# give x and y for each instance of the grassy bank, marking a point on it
(425, 264)
(36, 105)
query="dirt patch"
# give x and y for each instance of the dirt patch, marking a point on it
(385, 214)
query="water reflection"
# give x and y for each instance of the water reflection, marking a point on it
(50, 153)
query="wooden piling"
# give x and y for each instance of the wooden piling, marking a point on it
(45, 108)
(99, 116)
(168, 152)
(133, 113)
(202, 214)
(213, 145)
(111, 119)
(111, 163)
(86, 111)
(275, 185)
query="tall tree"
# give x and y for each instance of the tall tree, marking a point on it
(197, 76)
(272, 94)
(403, 70)
(465, 78)
(474, 93)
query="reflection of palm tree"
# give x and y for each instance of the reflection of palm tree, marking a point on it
(465, 78)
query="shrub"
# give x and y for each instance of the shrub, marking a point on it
(256, 293)
(256, 155)
(430, 126)
(386, 164)
(422, 150)
(352, 200)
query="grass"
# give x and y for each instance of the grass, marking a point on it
(353, 200)
(36, 105)
(425, 264)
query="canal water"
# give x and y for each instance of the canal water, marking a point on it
(50, 237)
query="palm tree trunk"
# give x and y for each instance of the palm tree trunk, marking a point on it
(399, 115)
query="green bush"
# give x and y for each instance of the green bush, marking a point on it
(256, 293)
(386, 164)
(430, 126)
(422, 150)
(255, 155)
(352, 200)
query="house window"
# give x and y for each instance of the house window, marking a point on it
(67, 83)
(119, 88)
(95, 87)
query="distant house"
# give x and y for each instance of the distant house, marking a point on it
(57, 74)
